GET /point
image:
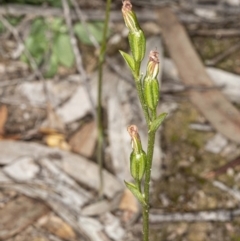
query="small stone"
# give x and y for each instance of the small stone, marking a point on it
(216, 144)
(57, 226)
(230, 172)
(164, 200)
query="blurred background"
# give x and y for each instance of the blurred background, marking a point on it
(49, 176)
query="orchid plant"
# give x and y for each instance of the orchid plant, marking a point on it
(148, 93)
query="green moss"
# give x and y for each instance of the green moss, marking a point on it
(236, 238)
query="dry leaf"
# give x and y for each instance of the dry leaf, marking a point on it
(84, 140)
(58, 227)
(3, 118)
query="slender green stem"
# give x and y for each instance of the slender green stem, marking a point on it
(138, 79)
(99, 105)
(142, 101)
(154, 114)
(151, 140)
(145, 213)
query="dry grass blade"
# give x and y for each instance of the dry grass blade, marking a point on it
(78, 57)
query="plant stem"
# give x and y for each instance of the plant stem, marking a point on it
(142, 101)
(138, 79)
(99, 105)
(151, 140)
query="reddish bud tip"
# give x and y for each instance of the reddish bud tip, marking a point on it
(129, 16)
(127, 6)
(153, 65)
(153, 56)
(133, 131)
(136, 141)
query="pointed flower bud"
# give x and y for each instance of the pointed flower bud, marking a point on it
(130, 16)
(151, 86)
(136, 141)
(138, 156)
(153, 65)
(136, 37)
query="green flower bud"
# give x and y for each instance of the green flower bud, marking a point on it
(137, 43)
(136, 37)
(151, 86)
(138, 156)
(153, 65)
(151, 92)
(138, 164)
(130, 17)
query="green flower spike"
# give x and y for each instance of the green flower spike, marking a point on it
(138, 156)
(151, 87)
(136, 37)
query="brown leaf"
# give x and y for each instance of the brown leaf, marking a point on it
(58, 227)
(27, 212)
(3, 118)
(84, 140)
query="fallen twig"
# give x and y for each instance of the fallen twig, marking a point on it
(229, 82)
(223, 55)
(6, 83)
(223, 187)
(202, 216)
(217, 8)
(19, 10)
(220, 33)
(93, 15)
(223, 169)
(223, 116)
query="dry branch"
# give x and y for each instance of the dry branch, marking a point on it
(19, 10)
(233, 49)
(223, 116)
(220, 33)
(203, 216)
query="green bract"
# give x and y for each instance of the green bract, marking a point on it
(157, 122)
(138, 164)
(129, 60)
(151, 92)
(135, 192)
